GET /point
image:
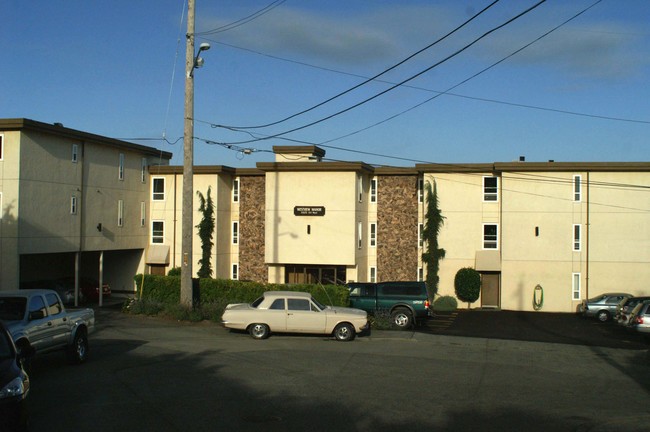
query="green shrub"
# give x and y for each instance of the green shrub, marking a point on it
(176, 271)
(468, 284)
(380, 320)
(445, 304)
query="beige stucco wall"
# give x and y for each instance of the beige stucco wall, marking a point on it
(9, 170)
(332, 238)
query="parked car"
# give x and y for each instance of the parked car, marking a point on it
(37, 319)
(640, 318)
(625, 307)
(603, 307)
(294, 312)
(14, 385)
(406, 302)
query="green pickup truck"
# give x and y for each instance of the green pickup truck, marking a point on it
(406, 302)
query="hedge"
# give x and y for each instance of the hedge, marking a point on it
(166, 290)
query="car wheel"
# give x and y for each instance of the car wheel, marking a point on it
(344, 332)
(259, 331)
(603, 316)
(78, 351)
(402, 318)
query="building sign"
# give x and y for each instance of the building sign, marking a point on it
(309, 211)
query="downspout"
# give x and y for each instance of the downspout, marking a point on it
(587, 243)
(81, 204)
(174, 224)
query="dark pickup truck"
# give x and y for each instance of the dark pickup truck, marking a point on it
(406, 302)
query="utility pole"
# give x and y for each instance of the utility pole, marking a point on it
(188, 165)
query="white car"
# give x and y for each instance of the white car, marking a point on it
(294, 312)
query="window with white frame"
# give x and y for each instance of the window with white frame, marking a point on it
(420, 190)
(235, 190)
(235, 271)
(373, 190)
(75, 153)
(420, 235)
(143, 170)
(420, 274)
(575, 290)
(576, 237)
(73, 205)
(373, 234)
(490, 236)
(121, 167)
(158, 188)
(235, 232)
(373, 274)
(577, 188)
(360, 187)
(359, 235)
(143, 213)
(157, 231)
(120, 213)
(490, 188)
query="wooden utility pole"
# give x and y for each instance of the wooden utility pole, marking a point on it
(188, 165)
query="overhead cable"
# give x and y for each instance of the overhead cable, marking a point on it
(392, 87)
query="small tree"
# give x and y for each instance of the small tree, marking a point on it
(432, 225)
(468, 285)
(206, 232)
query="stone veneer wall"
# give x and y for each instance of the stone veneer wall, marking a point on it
(251, 229)
(397, 228)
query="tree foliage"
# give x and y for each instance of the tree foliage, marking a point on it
(206, 233)
(468, 284)
(434, 220)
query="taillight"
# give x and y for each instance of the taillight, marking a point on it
(639, 320)
(426, 304)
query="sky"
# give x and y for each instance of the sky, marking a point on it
(492, 91)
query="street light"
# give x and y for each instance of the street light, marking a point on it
(198, 61)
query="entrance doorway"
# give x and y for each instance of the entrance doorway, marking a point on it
(490, 290)
(306, 274)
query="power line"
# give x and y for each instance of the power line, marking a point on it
(393, 87)
(368, 80)
(242, 21)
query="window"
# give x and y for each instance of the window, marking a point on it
(373, 190)
(298, 304)
(373, 274)
(235, 232)
(1, 145)
(75, 153)
(73, 205)
(420, 190)
(577, 188)
(120, 213)
(490, 188)
(576, 287)
(490, 236)
(235, 190)
(157, 231)
(359, 235)
(420, 274)
(576, 237)
(235, 272)
(143, 213)
(158, 188)
(373, 234)
(420, 235)
(360, 187)
(120, 174)
(278, 304)
(143, 170)
(53, 304)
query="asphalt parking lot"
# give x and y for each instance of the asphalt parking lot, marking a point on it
(564, 328)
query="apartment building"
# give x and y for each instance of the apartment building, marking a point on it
(72, 204)
(77, 203)
(572, 230)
